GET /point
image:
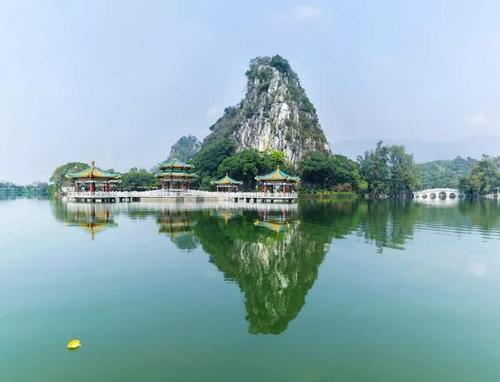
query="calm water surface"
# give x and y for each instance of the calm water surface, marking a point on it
(319, 292)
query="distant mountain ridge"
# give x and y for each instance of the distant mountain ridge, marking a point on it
(424, 151)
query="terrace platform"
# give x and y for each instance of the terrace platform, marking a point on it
(180, 196)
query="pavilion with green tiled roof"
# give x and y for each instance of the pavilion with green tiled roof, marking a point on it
(175, 174)
(227, 184)
(93, 176)
(277, 181)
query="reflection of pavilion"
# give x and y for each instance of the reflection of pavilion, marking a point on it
(227, 214)
(178, 225)
(90, 217)
(277, 220)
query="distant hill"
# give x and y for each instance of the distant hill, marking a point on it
(185, 148)
(444, 173)
(428, 150)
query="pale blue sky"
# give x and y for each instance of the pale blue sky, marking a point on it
(120, 81)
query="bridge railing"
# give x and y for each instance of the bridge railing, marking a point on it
(182, 193)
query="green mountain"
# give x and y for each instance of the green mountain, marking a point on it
(275, 114)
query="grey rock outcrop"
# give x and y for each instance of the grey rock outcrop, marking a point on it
(275, 114)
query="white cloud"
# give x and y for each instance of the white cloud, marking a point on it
(477, 119)
(300, 14)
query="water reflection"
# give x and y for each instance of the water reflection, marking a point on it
(273, 253)
(274, 261)
(92, 218)
(178, 225)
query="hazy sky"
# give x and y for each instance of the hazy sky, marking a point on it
(120, 81)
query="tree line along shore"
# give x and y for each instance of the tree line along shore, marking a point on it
(383, 172)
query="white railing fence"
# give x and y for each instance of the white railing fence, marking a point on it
(182, 193)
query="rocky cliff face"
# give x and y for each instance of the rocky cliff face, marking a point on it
(274, 115)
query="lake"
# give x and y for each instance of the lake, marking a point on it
(320, 291)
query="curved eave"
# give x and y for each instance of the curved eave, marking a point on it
(102, 176)
(277, 179)
(176, 175)
(277, 176)
(227, 181)
(175, 164)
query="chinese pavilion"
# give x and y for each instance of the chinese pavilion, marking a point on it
(277, 181)
(93, 177)
(227, 184)
(175, 175)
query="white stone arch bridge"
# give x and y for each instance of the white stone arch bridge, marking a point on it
(438, 194)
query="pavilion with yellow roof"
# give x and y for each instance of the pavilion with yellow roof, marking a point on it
(175, 174)
(277, 181)
(92, 176)
(227, 184)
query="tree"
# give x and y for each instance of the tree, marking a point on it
(138, 180)
(323, 171)
(374, 167)
(58, 177)
(208, 159)
(389, 171)
(404, 173)
(445, 173)
(483, 179)
(316, 170)
(246, 165)
(276, 157)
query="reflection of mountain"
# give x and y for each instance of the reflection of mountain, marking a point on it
(92, 218)
(274, 268)
(273, 253)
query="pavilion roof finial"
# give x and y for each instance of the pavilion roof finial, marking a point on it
(92, 163)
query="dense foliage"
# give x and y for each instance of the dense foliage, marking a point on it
(185, 148)
(483, 179)
(58, 177)
(247, 164)
(330, 172)
(389, 172)
(444, 173)
(209, 158)
(138, 180)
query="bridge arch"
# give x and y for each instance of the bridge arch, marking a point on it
(438, 194)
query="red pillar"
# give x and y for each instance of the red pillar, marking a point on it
(92, 187)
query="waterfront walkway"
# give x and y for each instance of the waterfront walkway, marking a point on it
(180, 196)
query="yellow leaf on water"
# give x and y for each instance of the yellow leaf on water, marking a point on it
(73, 344)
